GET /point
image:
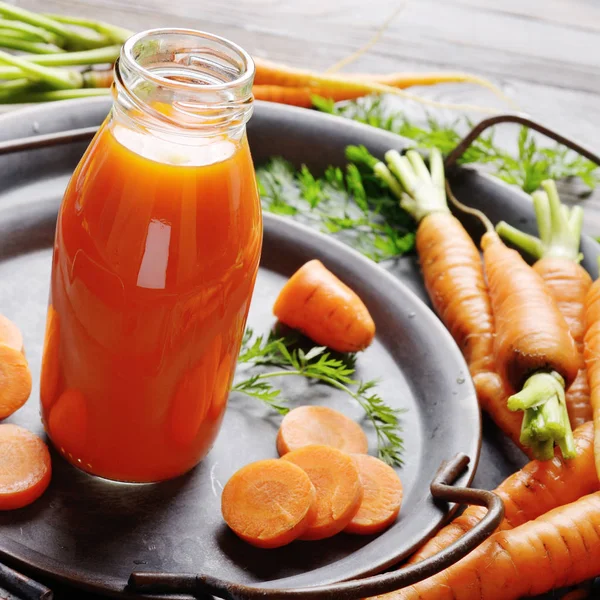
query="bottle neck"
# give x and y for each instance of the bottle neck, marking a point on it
(183, 86)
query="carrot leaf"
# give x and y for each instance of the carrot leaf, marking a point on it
(316, 364)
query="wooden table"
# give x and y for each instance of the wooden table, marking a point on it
(544, 53)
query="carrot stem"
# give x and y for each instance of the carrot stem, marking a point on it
(10, 73)
(546, 420)
(424, 189)
(116, 35)
(28, 93)
(96, 56)
(14, 43)
(30, 31)
(73, 38)
(526, 242)
(536, 390)
(55, 78)
(559, 227)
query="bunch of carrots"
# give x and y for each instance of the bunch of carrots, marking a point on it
(525, 332)
(56, 57)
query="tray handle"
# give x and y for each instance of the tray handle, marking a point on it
(462, 146)
(441, 490)
(23, 587)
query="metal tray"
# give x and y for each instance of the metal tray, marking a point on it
(92, 534)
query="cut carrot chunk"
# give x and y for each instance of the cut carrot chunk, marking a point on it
(15, 380)
(381, 499)
(319, 425)
(10, 334)
(50, 366)
(68, 424)
(25, 467)
(339, 491)
(269, 503)
(315, 302)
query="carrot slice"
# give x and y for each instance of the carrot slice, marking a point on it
(10, 334)
(339, 491)
(68, 424)
(381, 499)
(25, 467)
(319, 425)
(268, 503)
(15, 380)
(50, 366)
(315, 302)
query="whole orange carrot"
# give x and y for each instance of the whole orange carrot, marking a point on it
(533, 346)
(557, 549)
(557, 254)
(452, 272)
(537, 488)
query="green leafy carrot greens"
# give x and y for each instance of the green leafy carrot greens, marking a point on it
(319, 365)
(531, 164)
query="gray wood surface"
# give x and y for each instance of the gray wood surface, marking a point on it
(545, 54)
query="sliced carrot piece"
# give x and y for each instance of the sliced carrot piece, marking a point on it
(25, 467)
(339, 491)
(269, 503)
(15, 380)
(50, 365)
(319, 425)
(315, 302)
(10, 334)
(382, 496)
(68, 424)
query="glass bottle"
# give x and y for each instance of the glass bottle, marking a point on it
(157, 248)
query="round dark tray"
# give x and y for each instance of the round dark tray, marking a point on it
(92, 533)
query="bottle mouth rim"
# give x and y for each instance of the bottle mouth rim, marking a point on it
(247, 67)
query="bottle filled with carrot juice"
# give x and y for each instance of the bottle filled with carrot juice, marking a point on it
(157, 248)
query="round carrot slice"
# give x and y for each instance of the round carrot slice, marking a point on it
(15, 380)
(68, 424)
(339, 491)
(319, 425)
(50, 365)
(25, 467)
(268, 503)
(382, 496)
(10, 334)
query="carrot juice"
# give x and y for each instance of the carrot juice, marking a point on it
(157, 248)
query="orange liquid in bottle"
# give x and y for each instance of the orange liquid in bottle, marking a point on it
(156, 254)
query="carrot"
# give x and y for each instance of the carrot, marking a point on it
(533, 346)
(537, 488)
(382, 496)
(557, 254)
(302, 96)
(559, 548)
(339, 491)
(10, 334)
(15, 380)
(269, 503)
(25, 467)
(452, 273)
(319, 425)
(269, 73)
(592, 359)
(318, 304)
